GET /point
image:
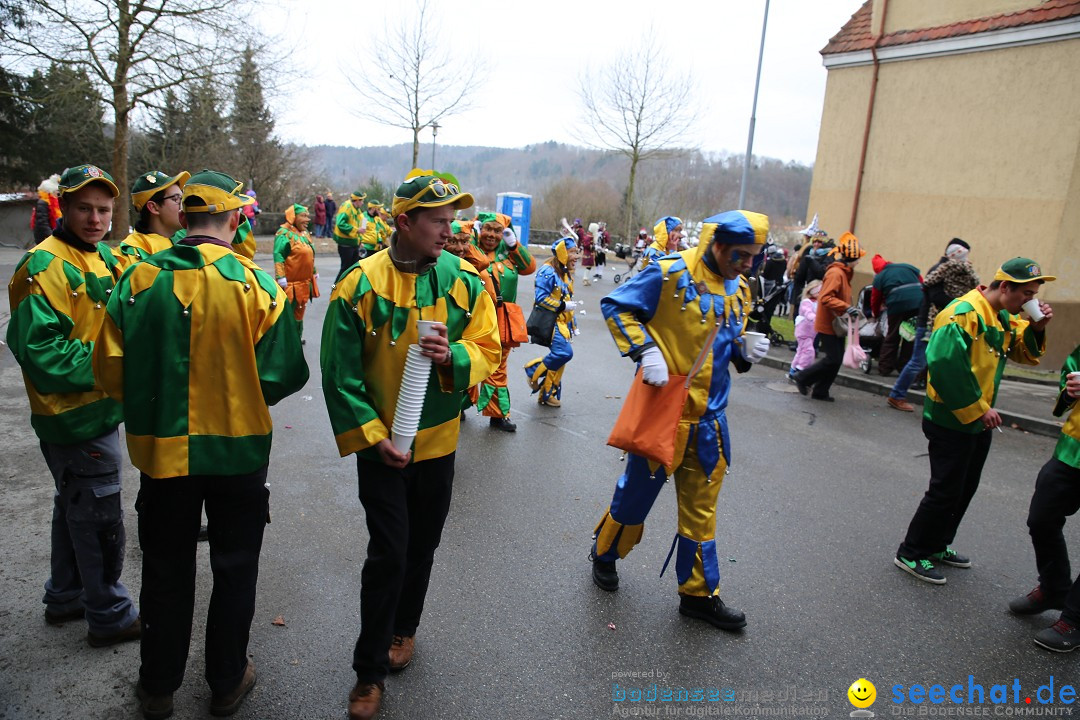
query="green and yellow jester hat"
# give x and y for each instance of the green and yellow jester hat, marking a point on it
(429, 189)
(293, 211)
(151, 183)
(214, 192)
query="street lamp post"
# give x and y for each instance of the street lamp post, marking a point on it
(753, 115)
(434, 132)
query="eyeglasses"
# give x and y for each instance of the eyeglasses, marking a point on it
(175, 198)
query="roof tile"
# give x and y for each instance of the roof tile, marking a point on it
(857, 34)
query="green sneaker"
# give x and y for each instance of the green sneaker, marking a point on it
(948, 556)
(922, 569)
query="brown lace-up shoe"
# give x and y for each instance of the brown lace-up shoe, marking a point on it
(131, 632)
(401, 652)
(365, 700)
(223, 705)
(900, 404)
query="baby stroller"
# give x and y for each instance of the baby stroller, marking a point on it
(632, 255)
(871, 330)
(760, 319)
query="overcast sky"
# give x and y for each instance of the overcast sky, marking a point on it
(537, 51)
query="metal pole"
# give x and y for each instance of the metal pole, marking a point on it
(434, 132)
(753, 114)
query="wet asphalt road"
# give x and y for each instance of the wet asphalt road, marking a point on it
(817, 500)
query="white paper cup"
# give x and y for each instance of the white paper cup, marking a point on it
(426, 328)
(750, 337)
(1031, 307)
(402, 443)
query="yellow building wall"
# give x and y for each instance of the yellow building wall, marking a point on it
(984, 146)
(918, 14)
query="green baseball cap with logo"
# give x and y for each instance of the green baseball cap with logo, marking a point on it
(1021, 270)
(151, 183)
(81, 175)
(214, 192)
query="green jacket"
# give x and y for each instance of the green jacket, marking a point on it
(57, 297)
(1068, 445)
(196, 345)
(966, 358)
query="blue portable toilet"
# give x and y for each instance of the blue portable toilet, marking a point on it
(519, 207)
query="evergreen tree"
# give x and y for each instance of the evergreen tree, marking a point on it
(66, 126)
(258, 157)
(201, 130)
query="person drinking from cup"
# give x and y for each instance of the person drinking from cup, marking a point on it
(972, 339)
(371, 322)
(663, 319)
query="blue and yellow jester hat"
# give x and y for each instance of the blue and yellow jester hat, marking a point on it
(735, 227)
(561, 249)
(663, 228)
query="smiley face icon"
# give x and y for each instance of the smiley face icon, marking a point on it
(862, 693)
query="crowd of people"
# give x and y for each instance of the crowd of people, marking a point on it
(178, 334)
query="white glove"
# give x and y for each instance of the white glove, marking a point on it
(654, 370)
(510, 238)
(758, 350)
(316, 276)
(577, 331)
(572, 304)
(283, 282)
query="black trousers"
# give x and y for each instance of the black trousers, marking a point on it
(1057, 496)
(823, 371)
(405, 512)
(349, 256)
(956, 463)
(889, 357)
(170, 513)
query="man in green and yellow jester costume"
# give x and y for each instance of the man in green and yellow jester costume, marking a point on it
(156, 198)
(377, 231)
(349, 226)
(663, 318)
(294, 262)
(197, 343)
(1057, 496)
(371, 322)
(58, 295)
(507, 260)
(971, 341)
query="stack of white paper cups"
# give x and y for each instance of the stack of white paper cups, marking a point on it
(410, 402)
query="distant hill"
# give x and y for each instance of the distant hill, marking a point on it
(571, 181)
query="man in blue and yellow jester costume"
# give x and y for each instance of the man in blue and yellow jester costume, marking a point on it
(662, 319)
(370, 323)
(667, 233)
(1057, 496)
(197, 343)
(156, 197)
(58, 295)
(973, 338)
(554, 290)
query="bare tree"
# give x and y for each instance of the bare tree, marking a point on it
(637, 107)
(412, 80)
(134, 50)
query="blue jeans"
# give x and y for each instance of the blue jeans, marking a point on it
(88, 534)
(914, 366)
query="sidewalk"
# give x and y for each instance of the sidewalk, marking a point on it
(1024, 405)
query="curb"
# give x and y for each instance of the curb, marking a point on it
(1038, 426)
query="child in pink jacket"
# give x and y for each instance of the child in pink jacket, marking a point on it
(804, 328)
